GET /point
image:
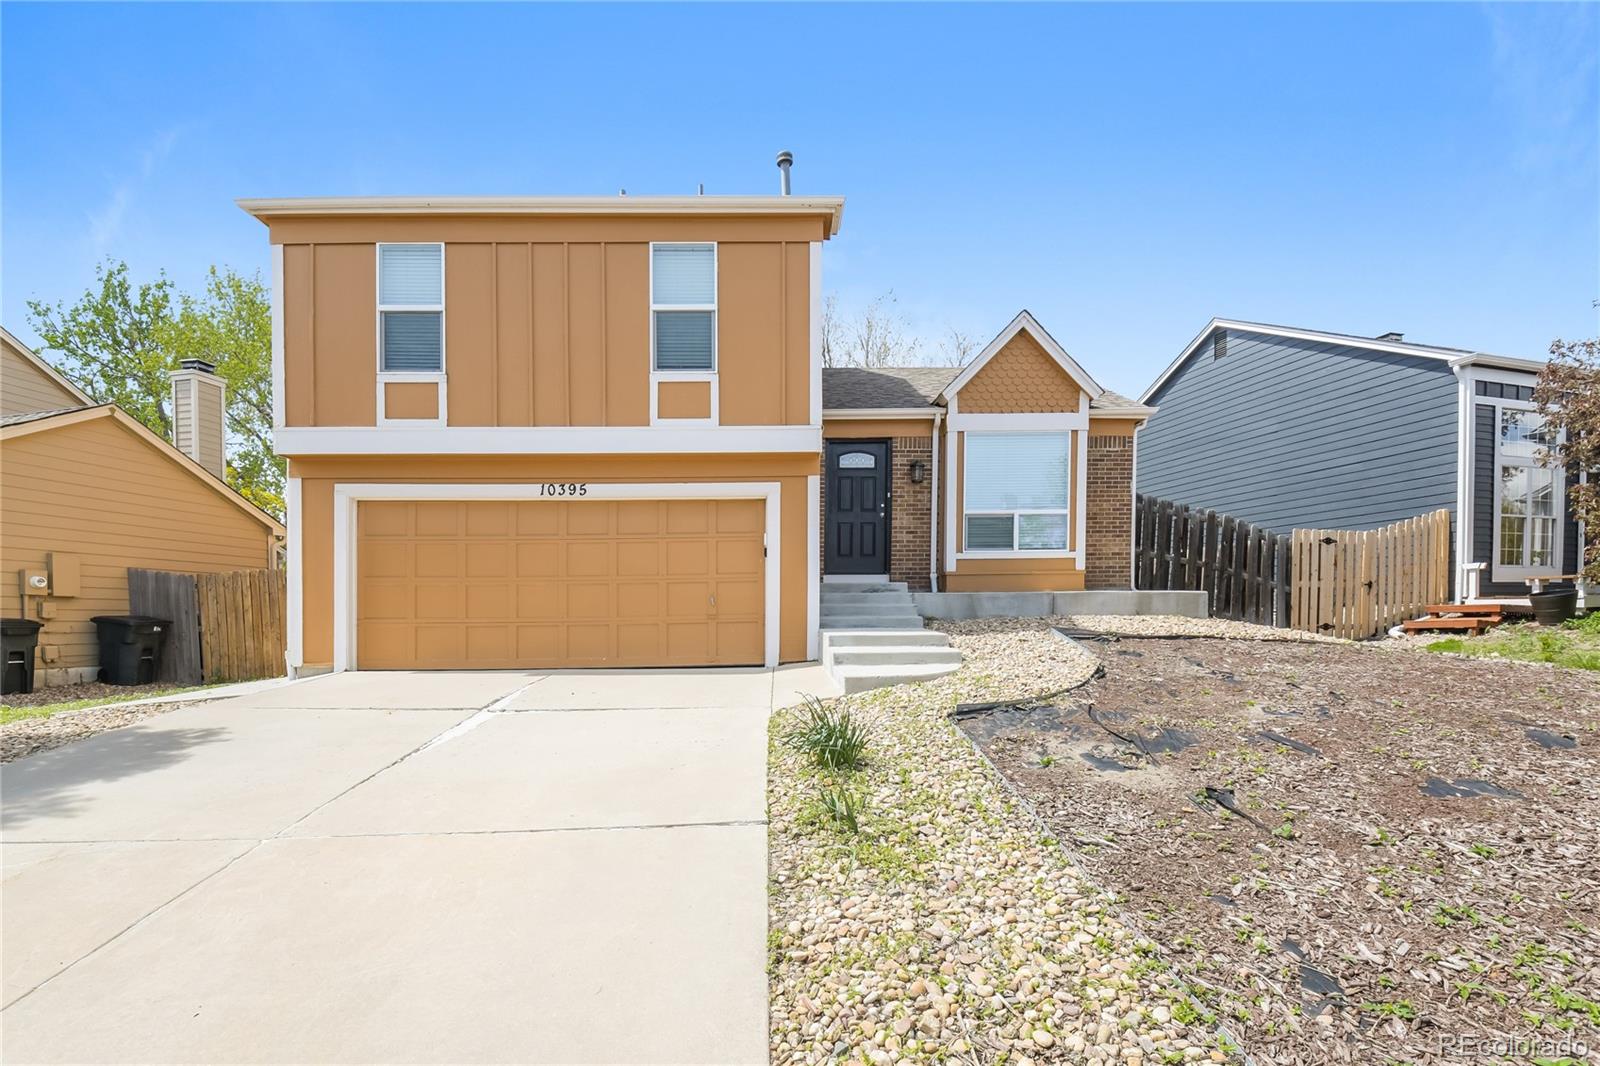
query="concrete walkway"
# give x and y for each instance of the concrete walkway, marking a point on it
(489, 867)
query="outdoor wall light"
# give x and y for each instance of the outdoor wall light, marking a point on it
(919, 470)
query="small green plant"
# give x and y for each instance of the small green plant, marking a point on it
(1400, 1008)
(832, 735)
(1047, 760)
(840, 806)
(1482, 851)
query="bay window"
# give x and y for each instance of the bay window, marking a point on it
(411, 308)
(1015, 491)
(683, 306)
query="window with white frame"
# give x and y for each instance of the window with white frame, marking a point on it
(411, 308)
(1528, 495)
(683, 306)
(1015, 490)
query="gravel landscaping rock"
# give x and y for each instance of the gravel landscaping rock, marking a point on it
(29, 736)
(950, 927)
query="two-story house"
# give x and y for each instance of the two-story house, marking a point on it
(576, 432)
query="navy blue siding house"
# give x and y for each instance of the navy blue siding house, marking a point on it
(1292, 428)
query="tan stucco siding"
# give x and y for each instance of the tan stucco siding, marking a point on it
(1020, 379)
(24, 388)
(96, 491)
(547, 324)
(320, 475)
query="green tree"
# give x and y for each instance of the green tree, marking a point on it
(119, 340)
(1568, 396)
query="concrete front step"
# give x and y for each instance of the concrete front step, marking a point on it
(895, 595)
(870, 621)
(852, 638)
(864, 678)
(830, 587)
(868, 607)
(893, 654)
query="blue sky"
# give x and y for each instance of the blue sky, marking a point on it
(1125, 172)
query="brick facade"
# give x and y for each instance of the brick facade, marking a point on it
(1110, 512)
(910, 513)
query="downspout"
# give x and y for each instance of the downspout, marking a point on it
(933, 528)
(1133, 512)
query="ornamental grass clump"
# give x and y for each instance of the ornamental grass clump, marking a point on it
(831, 735)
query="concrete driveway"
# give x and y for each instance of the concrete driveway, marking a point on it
(389, 867)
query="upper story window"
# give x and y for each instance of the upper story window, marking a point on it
(683, 306)
(1528, 496)
(411, 308)
(1015, 491)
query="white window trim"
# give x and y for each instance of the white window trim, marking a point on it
(347, 495)
(1501, 572)
(960, 520)
(712, 307)
(419, 437)
(411, 376)
(658, 376)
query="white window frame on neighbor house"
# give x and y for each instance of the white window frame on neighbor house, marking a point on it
(709, 374)
(1016, 514)
(402, 377)
(347, 496)
(1511, 572)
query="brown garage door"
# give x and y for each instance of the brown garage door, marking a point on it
(494, 584)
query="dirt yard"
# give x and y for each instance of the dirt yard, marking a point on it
(1352, 854)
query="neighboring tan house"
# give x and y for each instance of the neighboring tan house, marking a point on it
(577, 432)
(86, 491)
(1295, 428)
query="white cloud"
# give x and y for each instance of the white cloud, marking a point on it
(105, 224)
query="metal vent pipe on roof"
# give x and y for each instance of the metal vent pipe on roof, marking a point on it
(785, 161)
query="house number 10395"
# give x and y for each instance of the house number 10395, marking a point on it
(567, 488)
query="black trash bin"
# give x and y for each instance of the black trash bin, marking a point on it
(18, 639)
(130, 647)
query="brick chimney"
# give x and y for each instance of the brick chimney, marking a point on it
(198, 423)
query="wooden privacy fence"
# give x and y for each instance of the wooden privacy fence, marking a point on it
(225, 627)
(1243, 570)
(1358, 584)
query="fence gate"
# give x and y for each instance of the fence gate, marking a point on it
(225, 627)
(1358, 584)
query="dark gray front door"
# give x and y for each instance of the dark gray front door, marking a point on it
(857, 520)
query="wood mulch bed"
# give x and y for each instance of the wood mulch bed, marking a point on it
(1354, 855)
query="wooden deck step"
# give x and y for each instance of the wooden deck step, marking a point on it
(1465, 608)
(1476, 623)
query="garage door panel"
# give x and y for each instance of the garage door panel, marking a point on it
(535, 519)
(589, 519)
(489, 601)
(738, 598)
(438, 559)
(384, 559)
(575, 583)
(589, 559)
(538, 558)
(589, 601)
(442, 602)
(541, 599)
(487, 645)
(688, 558)
(488, 558)
(438, 518)
(687, 516)
(488, 519)
(638, 558)
(638, 518)
(639, 599)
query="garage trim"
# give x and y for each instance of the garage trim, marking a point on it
(347, 495)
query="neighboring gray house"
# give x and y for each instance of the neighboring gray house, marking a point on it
(1294, 428)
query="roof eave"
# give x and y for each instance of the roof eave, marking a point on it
(340, 206)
